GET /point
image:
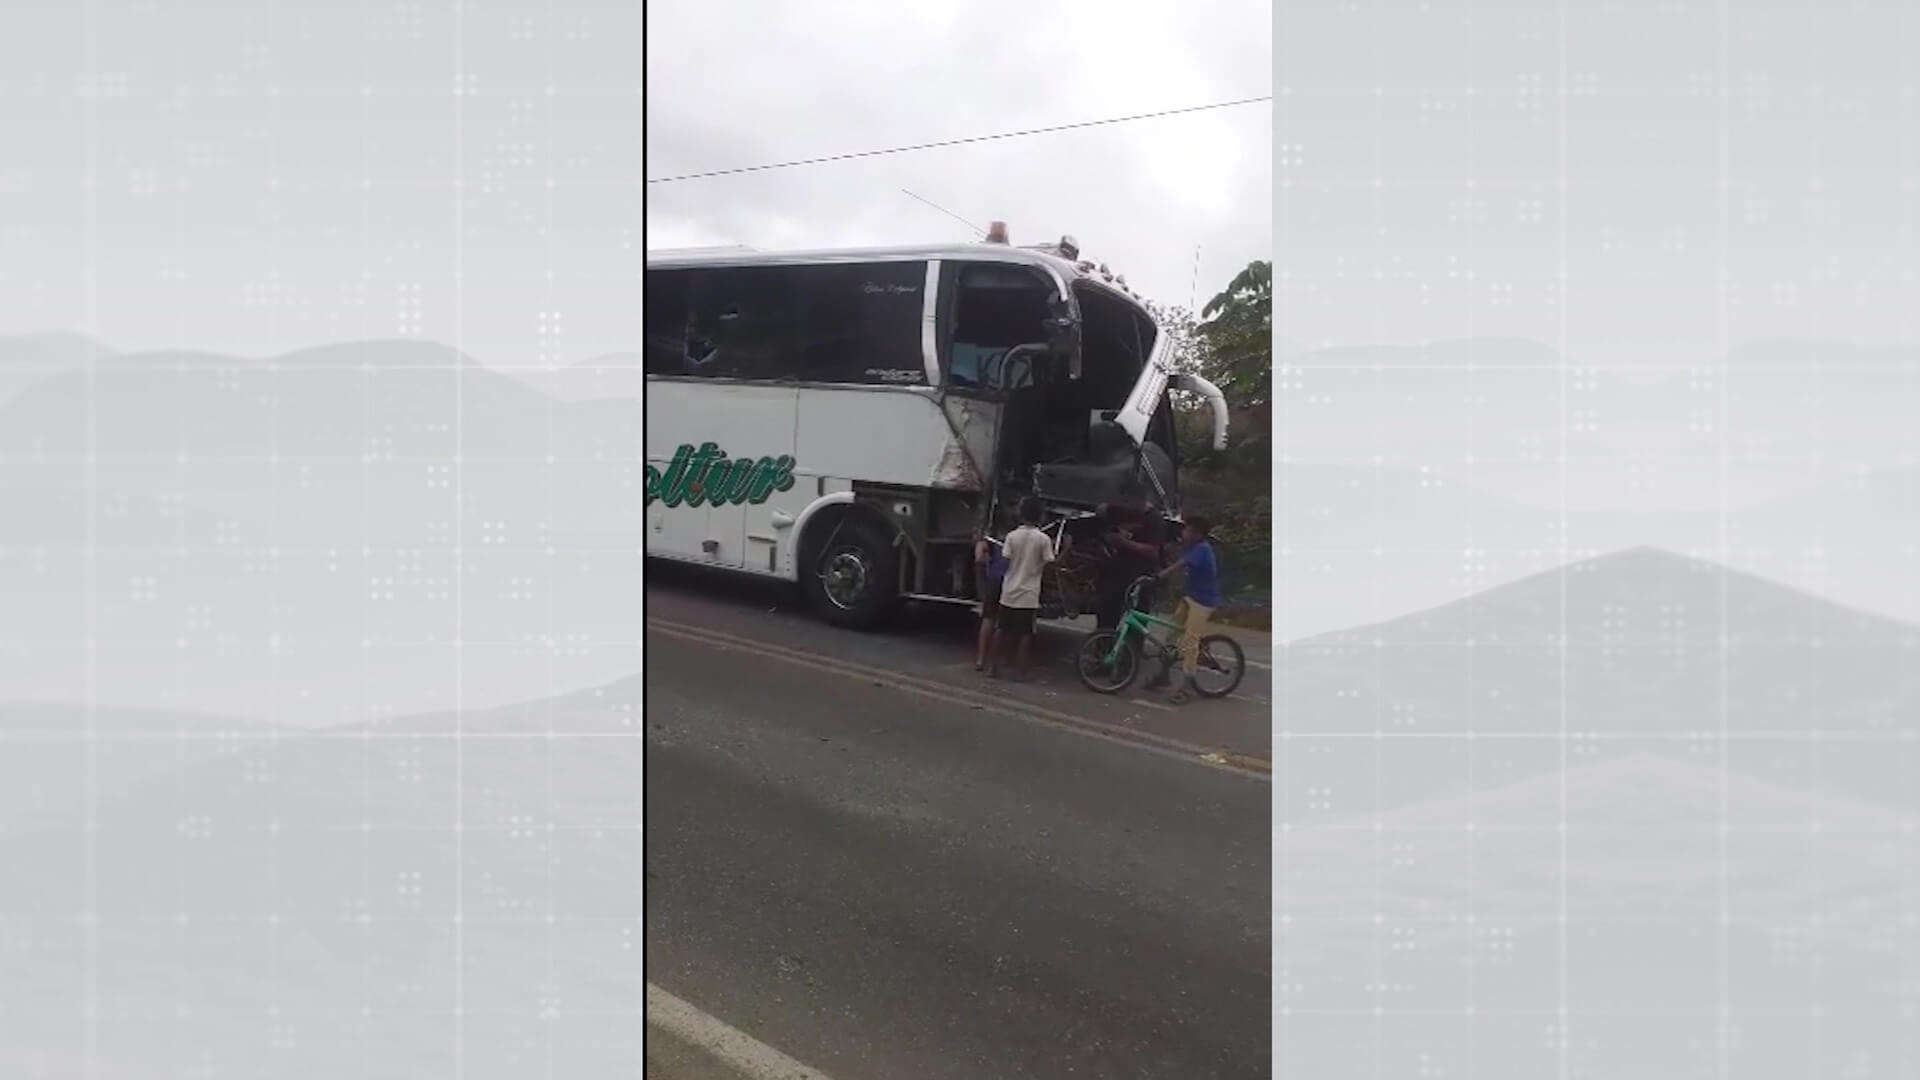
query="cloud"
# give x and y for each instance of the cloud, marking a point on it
(734, 84)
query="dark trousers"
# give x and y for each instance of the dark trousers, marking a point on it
(1111, 603)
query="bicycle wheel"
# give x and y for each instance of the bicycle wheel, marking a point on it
(1101, 674)
(1220, 667)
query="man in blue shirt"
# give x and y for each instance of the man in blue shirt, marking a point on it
(1203, 595)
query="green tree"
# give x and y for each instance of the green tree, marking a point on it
(1192, 418)
(1235, 351)
(1232, 345)
(1177, 322)
(1237, 329)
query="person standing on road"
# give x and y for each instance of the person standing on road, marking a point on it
(1202, 597)
(1134, 556)
(1029, 552)
(990, 570)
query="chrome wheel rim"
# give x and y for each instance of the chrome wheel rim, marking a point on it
(845, 579)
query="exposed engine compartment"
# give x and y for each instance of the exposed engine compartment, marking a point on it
(1059, 439)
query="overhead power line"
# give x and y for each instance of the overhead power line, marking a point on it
(960, 142)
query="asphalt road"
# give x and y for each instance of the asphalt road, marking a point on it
(885, 882)
(935, 643)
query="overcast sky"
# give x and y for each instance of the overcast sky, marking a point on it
(269, 177)
(734, 83)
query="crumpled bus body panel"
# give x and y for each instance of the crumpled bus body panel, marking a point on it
(968, 462)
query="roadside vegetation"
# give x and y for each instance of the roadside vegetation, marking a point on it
(1230, 342)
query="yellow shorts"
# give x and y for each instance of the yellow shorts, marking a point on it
(1193, 626)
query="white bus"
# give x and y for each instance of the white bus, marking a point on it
(847, 420)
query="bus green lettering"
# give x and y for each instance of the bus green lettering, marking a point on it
(739, 481)
(706, 475)
(672, 485)
(697, 463)
(775, 474)
(710, 486)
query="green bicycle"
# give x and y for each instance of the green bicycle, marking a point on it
(1109, 661)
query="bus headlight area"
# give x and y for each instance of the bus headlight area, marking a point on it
(853, 421)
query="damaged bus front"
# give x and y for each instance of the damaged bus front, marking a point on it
(1075, 373)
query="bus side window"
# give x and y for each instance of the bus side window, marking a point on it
(711, 314)
(863, 323)
(665, 322)
(740, 323)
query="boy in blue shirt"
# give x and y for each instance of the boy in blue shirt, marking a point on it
(1203, 596)
(990, 570)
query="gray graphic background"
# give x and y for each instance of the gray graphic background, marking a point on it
(1600, 512)
(319, 539)
(1626, 288)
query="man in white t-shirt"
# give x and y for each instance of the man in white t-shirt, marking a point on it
(1029, 551)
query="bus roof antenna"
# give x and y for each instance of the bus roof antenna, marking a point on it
(943, 210)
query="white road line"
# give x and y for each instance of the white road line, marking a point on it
(753, 1059)
(1261, 666)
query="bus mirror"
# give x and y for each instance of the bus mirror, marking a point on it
(1216, 402)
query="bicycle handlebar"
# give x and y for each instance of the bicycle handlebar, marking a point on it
(1138, 590)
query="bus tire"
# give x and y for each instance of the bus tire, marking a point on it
(854, 581)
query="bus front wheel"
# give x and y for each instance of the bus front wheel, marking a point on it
(853, 583)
